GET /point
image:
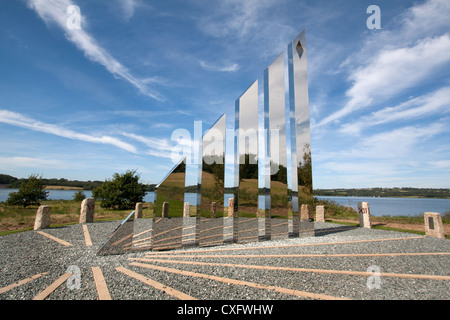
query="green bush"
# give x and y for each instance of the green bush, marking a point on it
(30, 193)
(79, 196)
(123, 191)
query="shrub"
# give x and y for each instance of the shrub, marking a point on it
(122, 191)
(79, 196)
(30, 192)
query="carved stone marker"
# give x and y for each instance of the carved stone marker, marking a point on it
(364, 215)
(320, 213)
(433, 225)
(304, 212)
(87, 210)
(213, 210)
(187, 210)
(231, 207)
(165, 210)
(138, 210)
(42, 218)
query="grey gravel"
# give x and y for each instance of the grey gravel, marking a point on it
(28, 253)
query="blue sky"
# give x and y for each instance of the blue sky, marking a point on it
(86, 103)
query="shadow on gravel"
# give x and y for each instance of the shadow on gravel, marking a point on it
(327, 231)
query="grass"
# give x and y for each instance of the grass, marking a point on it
(64, 212)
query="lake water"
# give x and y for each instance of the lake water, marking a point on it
(378, 206)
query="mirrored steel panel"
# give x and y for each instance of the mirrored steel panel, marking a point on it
(169, 204)
(210, 219)
(121, 239)
(300, 136)
(277, 218)
(246, 175)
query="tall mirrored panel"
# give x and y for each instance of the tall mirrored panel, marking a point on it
(210, 219)
(246, 175)
(169, 205)
(120, 241)
(277, 218)
(300, 136)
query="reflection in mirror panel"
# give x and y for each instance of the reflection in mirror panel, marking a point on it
(169, 203)
(277, 218)
(210, 219)
(300, 135)
(143, 228)
(120, 240)
(246, 194)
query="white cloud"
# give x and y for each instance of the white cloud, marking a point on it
(54, 11)
(19, 120)
(391, 72)
(419, 107)
(7, 163)
(211, 67)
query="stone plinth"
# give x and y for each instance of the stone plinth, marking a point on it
(138, 210)
(433, 225)
(213, 210)
(320, 213)
(165, 210)
(87, 210)
(304, 212)
(187, 210)
(364, 215)
(42, 218)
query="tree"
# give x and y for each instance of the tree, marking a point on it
(122, 191)
(30, 192)
(79, 196)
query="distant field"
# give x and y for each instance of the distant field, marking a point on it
(62, 188)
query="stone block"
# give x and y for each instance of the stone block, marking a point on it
(187, 210)
(320, 213)
(138, 210)
(433, 225)
(231, 207)
(165, 210)
(213, 210)
(304, 212)
(87, 210)
(42, 218)
(364, 215)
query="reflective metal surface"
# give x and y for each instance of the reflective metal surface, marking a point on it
(211, 211)
(277, 219)
(168, 215)
(246, 174)
(300, 137)
(121, 239)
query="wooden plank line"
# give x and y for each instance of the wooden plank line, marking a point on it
(259, 267)
(297, 293)
(285, 246)
(159, 286)
(21, 282)
(336, 255)
(87, 236)
(65, 243)
(47, 291)
(100, 284)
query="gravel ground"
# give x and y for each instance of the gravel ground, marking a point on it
(29, 253)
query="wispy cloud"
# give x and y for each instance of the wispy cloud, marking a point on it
(390, 63)
(392, 72)
(212, 67)
(28, 162)
(436, 102)
(54, 12)
(156, 147)
(19, 120)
